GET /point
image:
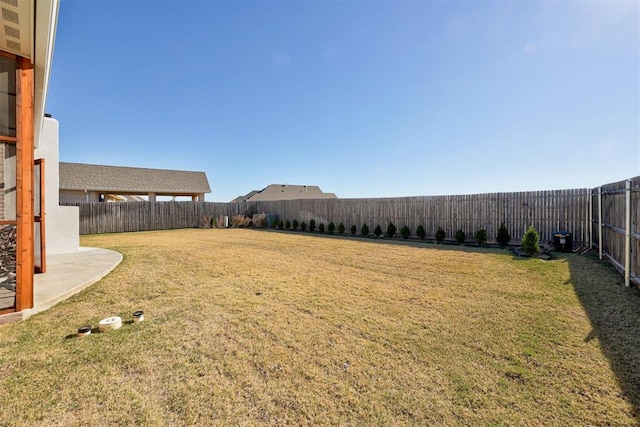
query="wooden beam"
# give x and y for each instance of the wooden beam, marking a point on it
(24, 184)
(7, 54)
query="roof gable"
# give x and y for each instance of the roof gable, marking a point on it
(286, 192)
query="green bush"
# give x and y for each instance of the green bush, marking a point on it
(405, 231)
(503, 237)
(365, 230)
(481, 236)
(354, 230)
(274, 224)
(331, 227)
(460, 237)
(287, 225)
(341, 228)
(391, 230)
(440, 235)
(421, 233)
(530, 241)
(213, 223)
(377, 231)
(295, 224)
(321, 228)
(312, 225)
(281, 225)
(303, 226)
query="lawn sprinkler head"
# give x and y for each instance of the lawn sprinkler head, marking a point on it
(83, 331)
(138, 316)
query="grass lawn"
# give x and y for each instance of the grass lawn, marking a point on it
(246, 327)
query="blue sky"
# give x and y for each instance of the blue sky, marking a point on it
(363, 98)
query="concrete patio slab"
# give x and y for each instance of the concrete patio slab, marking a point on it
(67, 274)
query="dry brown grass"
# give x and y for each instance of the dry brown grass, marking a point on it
(247, 327)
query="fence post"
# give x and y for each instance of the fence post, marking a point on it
(600, 222)
(590, 220)
(627, 234)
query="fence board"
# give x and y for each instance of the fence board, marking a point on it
(614, 227)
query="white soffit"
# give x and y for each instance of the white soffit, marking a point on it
(16, 27)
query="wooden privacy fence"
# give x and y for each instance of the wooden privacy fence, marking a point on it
(108, 217)
(547, 211)
(615, 210)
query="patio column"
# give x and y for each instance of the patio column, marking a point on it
(24, 185)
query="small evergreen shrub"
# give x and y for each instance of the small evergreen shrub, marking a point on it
(377, 231)
(421, 233)
(503, 236)
(391, 230)
(341, 228)
(214, 222)
(440, 235)
(460, 237)
(287, 225)
(365, 230)
(275, 223)
(406, 232)
(295, 224)
(303, 226)
(281, 225)
(312, 225)
(354, 230)
(481, 236)
(530, 241)
(331, 228)
(321, 228)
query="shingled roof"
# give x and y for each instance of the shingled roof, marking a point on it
(286, 192)
(129, 180)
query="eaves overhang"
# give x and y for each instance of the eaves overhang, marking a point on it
(28, 29)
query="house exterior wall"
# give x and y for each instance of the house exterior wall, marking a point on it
(62, 222)
(73, 196)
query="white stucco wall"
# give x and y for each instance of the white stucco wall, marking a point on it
(62, 222)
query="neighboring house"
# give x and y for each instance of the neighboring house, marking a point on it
(28, 148)
(81, 182)
(285, 192)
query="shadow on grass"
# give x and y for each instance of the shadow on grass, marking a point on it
(614, 313)
(428, 244)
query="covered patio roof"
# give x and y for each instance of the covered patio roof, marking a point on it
(124, 180)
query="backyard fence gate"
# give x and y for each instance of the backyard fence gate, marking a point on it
(616, 217)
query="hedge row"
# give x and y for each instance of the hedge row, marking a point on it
(503, 237)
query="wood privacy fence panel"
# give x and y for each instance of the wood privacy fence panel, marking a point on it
(612, 226)
(144, 216)
(547, 211)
